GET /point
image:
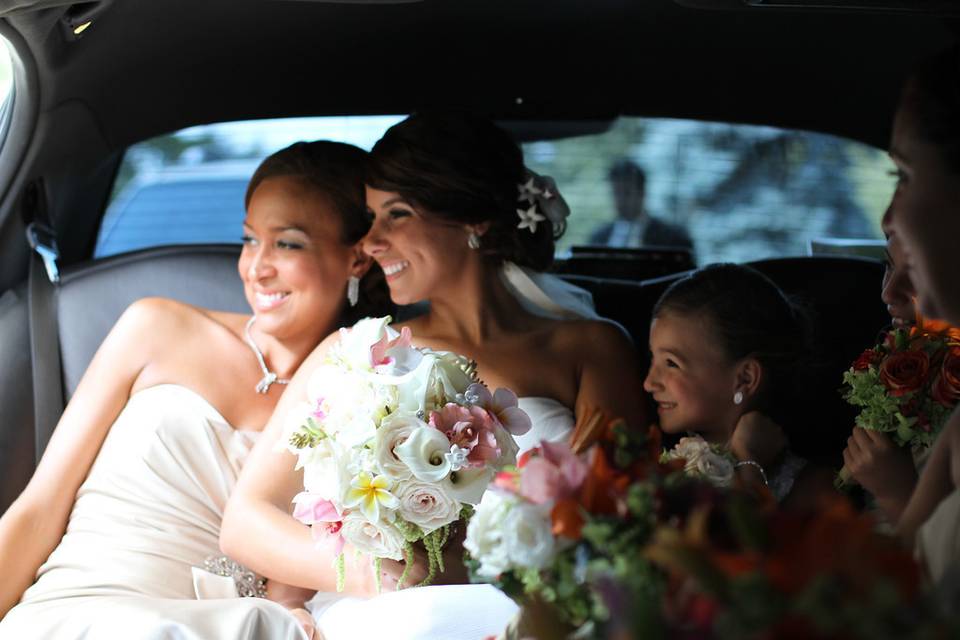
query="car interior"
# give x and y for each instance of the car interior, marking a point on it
(91, 79)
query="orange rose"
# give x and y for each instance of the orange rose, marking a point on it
(904, 371)
(946, 388)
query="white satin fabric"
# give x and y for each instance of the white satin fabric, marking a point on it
(451, 612)
(149, 511)
(938, 539)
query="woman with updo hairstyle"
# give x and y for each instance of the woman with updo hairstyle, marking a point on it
(457, 222)
(730, 354)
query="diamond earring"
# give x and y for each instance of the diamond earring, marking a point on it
(473, 241)
(738, 397)
(353, 290)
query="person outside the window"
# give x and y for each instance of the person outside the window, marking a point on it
(634, 226)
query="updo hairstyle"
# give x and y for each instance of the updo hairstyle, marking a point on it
(335, 171)
(932, 94)
(749, 316)
(464, 170)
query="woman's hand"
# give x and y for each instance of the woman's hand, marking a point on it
(307, 622)
(756, 437)
(455, 571)
(881, 468)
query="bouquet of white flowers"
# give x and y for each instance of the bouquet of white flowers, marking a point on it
(396, 444)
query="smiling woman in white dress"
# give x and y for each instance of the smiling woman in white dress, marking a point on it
(460, 223)
(131, 489)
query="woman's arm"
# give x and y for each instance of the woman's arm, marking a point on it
(33, 525)
(935, 483)
(258, 530)
(609, 376)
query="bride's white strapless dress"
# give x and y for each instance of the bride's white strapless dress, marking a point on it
(148, 512)
(451, 612)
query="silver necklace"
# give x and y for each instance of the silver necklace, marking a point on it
(269, 377)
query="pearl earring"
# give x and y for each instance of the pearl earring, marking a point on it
(738, 397)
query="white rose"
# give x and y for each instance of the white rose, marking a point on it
(394, 430)
(528, 535)
(325, 471)
(484, 538)
(423, 452)
(690, 449)
(380, 539)
(449, 376)
(425, 505)
(714, 468)
(468, 485)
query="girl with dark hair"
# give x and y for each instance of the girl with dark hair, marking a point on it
(458, 222)
(925, 214)
(728, 352)
(108, 538)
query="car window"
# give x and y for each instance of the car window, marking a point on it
(188, 186)
(727, 192)
(730, 192)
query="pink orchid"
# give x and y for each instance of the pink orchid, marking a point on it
(322, 515)
(553, 475)
(380, 350)
(504, 405)
(470, 428)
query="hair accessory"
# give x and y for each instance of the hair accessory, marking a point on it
(473, 241)
(269, 377)
(738, 397)
(353, 290)
(753, 463)
(546, 203)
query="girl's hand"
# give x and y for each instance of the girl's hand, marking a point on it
(881, 468)
(757, 437)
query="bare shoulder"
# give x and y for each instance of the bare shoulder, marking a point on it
(591, 339)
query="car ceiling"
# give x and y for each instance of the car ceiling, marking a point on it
(147, 67)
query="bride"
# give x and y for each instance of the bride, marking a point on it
(129, 494)
(460, 223)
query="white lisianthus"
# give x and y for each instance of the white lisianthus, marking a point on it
(528, 535)
(394, 430)
(425, 504)
(715, 468)
(467, 485)
(348, 405)
(484, 538)
(424, 453)
(379, 539)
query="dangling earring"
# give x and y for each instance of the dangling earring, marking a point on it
(738, 397)
(353, 290)
(473, 241)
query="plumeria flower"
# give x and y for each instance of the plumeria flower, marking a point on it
(529, 218)
(503, 404)
(370, 493)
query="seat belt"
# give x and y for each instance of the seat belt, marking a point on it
(44, 279)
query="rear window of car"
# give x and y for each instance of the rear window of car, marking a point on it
(726, 192)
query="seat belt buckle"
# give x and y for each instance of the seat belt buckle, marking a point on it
(41, 239)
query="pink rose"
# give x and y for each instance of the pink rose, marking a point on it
(554, 474)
